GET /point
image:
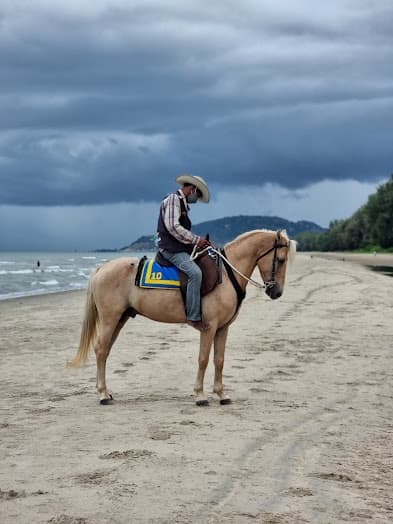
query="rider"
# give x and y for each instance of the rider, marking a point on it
(176, 241)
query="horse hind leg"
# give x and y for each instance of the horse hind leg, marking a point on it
(108, 334)
(219, 352)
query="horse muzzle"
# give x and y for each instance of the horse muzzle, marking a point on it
(273, 290)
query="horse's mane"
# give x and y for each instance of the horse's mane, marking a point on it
(292, 243)
(239, 238)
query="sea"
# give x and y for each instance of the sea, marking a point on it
(27, 274)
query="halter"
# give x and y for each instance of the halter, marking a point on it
(272, 282)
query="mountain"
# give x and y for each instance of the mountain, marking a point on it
(225, 229)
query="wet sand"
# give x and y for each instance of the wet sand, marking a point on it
(368, 260)
(308, 437)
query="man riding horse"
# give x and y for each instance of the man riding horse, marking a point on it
(176, 241)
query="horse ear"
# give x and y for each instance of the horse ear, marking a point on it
(279, 235)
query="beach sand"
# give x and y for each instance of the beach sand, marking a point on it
(308, 437)
(369, 260)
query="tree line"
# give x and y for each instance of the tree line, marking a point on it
(370, 228)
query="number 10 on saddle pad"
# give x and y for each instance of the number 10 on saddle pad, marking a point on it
(156, 276)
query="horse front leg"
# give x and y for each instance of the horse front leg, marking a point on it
(219, 351)
(205, 345)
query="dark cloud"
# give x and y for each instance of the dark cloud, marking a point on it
(106, 102)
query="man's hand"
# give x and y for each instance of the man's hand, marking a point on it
(203, 243)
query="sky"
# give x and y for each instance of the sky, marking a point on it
(285, 108)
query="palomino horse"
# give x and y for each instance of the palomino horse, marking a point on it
(112, 298)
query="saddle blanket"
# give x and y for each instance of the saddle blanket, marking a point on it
(154, 275)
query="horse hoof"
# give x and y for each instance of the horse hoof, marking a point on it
(106, 401)
(225, 401)
(202, 402)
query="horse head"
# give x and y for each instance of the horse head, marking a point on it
(272, 263)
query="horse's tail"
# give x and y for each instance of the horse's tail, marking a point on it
(89, 329)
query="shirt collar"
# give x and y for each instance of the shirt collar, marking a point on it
(183, 196)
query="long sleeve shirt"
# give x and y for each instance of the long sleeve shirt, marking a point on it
(171, 212)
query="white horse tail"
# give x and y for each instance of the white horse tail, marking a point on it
(89, 329)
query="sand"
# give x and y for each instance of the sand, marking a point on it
(368, 260)
(308, 437)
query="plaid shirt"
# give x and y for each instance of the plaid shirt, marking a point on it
(171, 212)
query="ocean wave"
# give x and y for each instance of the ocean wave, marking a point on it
(53, 269)
(59, 272)
(38, 292)
(49, 283)
(16, 272)
(78, 285)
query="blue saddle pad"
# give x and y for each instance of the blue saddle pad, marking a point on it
(156, 276)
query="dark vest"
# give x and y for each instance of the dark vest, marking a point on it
(168, 241)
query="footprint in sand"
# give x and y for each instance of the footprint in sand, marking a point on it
(298, 492)
(13, 494)
(188, 423)
(66, 519)
(160, 435)
(95, 477)
(127, 454)
(339, 477)
(57, 398)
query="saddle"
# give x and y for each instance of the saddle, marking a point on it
(159, 273)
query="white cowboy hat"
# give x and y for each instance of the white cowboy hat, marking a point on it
(198, 182)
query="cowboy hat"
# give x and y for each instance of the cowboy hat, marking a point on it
(198, 182)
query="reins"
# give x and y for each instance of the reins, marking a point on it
(195, 254)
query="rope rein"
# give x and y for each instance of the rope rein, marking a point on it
(195, 254)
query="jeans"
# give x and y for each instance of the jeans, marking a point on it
(191, 269)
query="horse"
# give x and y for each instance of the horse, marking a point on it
(112, 298)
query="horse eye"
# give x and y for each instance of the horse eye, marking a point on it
(281, 260)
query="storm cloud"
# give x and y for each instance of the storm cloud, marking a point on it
(106, 102)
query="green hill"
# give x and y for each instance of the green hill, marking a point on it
(225, 229)
(369, 228)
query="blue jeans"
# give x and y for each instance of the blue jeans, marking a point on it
(191, 269)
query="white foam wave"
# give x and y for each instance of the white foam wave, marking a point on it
(58, 270)
(77, 285)
(49, 283)
(16, 272)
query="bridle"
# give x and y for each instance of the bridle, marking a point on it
(277, 245)
(221, 253)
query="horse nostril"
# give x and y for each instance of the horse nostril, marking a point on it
(274, 292)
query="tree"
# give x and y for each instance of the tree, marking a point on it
(371, 224)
